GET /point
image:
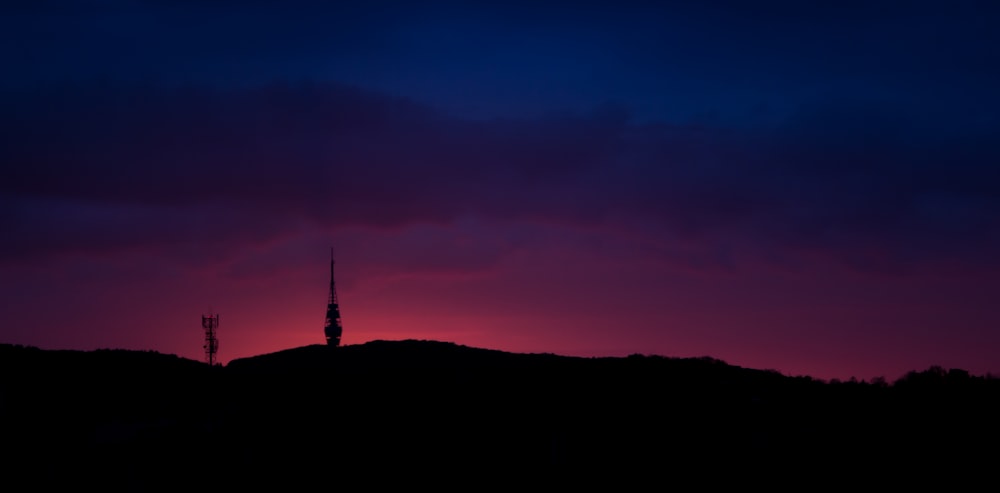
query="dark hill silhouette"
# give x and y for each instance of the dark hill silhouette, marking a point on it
(132, 419)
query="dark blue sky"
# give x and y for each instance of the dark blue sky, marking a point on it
(807, 186)
(734, 63)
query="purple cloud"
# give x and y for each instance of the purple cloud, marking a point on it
(107, 168)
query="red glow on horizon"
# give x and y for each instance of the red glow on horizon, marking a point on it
(822, 321)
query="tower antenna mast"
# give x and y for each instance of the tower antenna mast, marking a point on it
(210, 323)
(333, 328)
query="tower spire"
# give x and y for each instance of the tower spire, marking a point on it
(333, 328)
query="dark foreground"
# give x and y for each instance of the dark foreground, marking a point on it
(425, 411)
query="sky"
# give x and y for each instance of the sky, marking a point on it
(806, 187)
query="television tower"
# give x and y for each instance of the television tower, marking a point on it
(333, 328)
(210, 323)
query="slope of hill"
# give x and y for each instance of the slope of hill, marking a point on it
(124, 418)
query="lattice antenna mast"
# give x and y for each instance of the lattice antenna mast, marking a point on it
(333, 328)
(210, 323)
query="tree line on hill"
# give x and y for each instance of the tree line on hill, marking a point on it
(136, 415)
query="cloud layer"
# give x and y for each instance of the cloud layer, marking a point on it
(107, 168)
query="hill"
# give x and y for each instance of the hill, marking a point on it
(129, 419)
